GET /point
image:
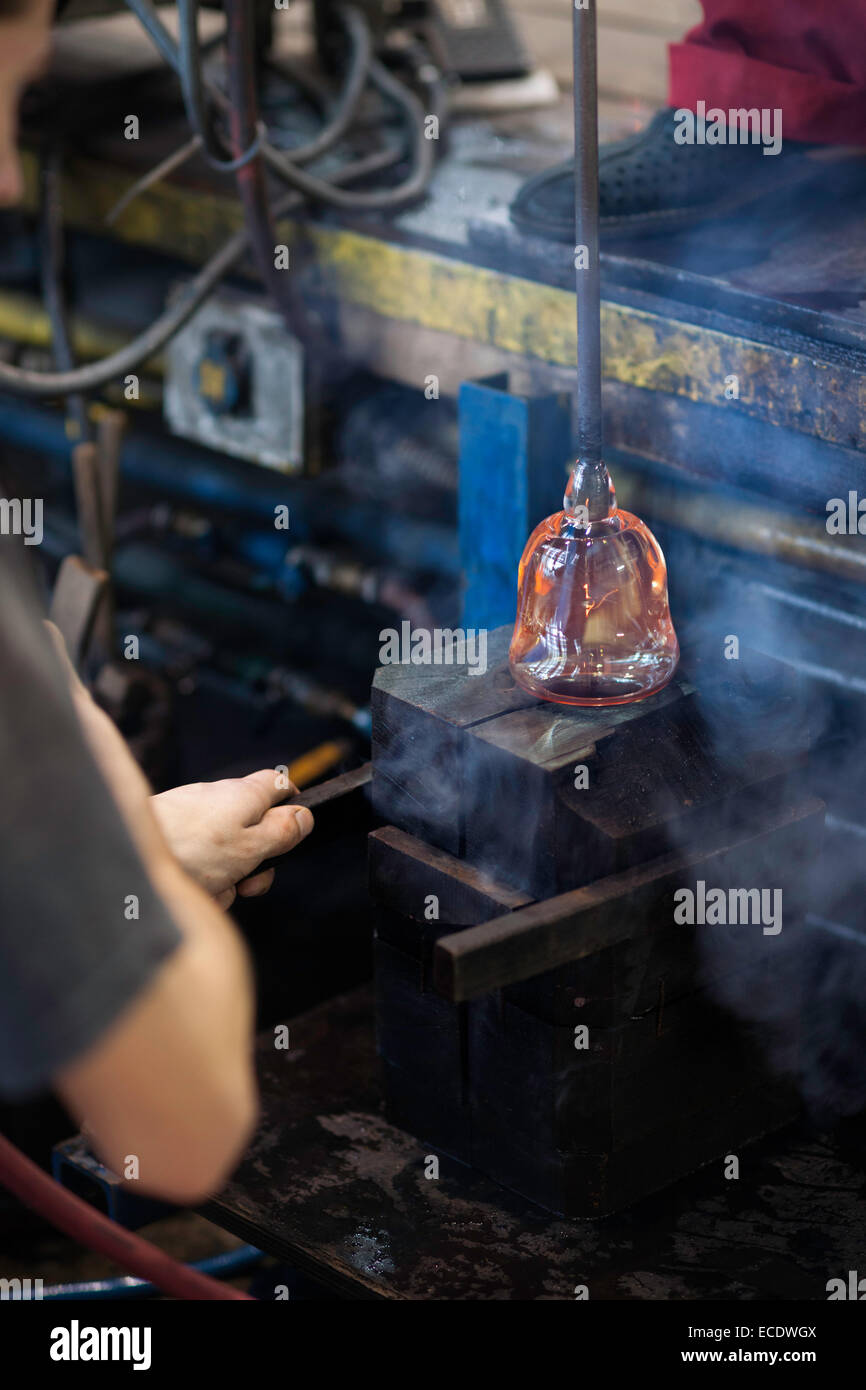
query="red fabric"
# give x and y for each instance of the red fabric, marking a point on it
(807, 57)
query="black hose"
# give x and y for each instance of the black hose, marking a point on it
(148, 343)
(159, 171)
(52, 257)
(189, 69)
(360, 57)
(193, 90)
(243, 123)
(184, 59)
(385, 199)
(189, 72)
(322, 190)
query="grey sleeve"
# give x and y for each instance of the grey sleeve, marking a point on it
(82, 931)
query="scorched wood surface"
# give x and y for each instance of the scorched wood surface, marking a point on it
(331, 1187)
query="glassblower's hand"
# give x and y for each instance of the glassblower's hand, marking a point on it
(221, 831)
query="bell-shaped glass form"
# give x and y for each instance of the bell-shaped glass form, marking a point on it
(593, 623)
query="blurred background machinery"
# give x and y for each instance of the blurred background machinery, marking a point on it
(282, 250)
(267, 334)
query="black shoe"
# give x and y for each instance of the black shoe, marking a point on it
(649, 183)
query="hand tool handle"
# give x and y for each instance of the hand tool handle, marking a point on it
(324, 795)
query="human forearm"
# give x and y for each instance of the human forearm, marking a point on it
(171, 1084)
(219, 832)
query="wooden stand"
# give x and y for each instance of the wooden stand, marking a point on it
(572, 1047)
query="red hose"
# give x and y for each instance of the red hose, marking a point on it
(79, 1220)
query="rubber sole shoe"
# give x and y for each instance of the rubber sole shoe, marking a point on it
(650, 184)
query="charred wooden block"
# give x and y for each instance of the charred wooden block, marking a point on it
(539, 901)
(422, 1040)
(409, 879)
(530, 1078)
(422, 893)
(588, 1185)
(687, 1080)
(547, 797)
(586, 1131)
(771, 850)
(420, 718)
(574, 1102)
(525, 818)
(595, 799)
(431, 1113)
(416, 880)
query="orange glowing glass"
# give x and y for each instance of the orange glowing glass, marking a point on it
(593, 623)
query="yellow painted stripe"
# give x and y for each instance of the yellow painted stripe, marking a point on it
(506, 312)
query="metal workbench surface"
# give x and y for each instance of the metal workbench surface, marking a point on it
(341, 1194)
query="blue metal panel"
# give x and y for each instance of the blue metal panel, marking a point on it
(515, 452)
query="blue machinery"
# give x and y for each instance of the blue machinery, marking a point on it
(514, 452)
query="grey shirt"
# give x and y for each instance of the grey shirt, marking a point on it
(73, 954)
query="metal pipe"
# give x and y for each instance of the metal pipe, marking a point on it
(586, 233)
(178, 470)
(243, 119)
(52, 251)
(230, 1262)
(735, 522)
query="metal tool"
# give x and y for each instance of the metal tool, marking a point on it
(593, 621)
(325, 794)
(589, 426)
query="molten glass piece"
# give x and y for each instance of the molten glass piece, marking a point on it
(593, 623)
